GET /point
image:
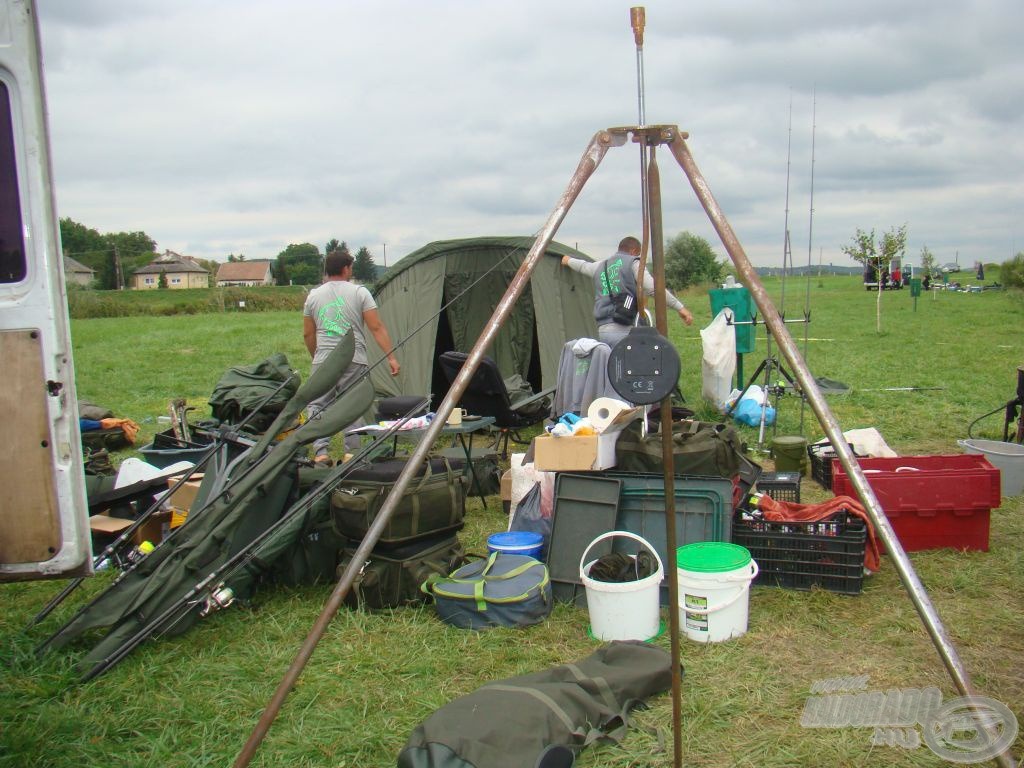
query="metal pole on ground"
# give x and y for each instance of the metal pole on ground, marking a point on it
(905, 569)
(592, 157)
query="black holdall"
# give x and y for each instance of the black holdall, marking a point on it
(434, 503)
(391, 578)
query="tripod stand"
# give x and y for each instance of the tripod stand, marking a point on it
(769, 366)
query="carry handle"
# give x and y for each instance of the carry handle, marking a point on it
(626, 534)
(742, 591)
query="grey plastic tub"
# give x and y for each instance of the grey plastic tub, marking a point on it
(1008, 458)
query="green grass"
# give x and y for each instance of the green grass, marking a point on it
(193, 700)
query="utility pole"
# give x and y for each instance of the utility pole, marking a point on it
(385, 255)
(118, 275)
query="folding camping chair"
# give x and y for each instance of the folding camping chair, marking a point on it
(487, 395)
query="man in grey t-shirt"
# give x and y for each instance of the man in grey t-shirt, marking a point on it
(332, 310)
(619, 273)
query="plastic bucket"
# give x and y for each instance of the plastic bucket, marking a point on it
(1008, 458)
(627, 610)
(790, 453)
(516, 543)
(714, 590)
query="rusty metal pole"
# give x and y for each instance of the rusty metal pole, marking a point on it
(905, 569)
(592, 157)
(668, 462)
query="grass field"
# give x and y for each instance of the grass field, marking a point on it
(193, 700)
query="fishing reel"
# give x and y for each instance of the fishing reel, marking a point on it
(219, 598)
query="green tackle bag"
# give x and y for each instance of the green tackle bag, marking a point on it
(502, 591)
(541, 719)
(698, 448)
(391, 577)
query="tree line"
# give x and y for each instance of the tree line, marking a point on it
(114, 256)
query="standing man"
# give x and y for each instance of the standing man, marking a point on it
(332, 310)
(615, 275)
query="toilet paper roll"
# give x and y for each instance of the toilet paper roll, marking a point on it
(604, 410)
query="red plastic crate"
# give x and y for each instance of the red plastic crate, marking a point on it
(932, 502)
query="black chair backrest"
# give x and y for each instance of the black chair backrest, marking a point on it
(485, 394)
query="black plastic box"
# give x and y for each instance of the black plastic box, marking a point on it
(781, 486)
(828, 554)
(820, 456)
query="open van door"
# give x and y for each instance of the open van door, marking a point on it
(44, 526)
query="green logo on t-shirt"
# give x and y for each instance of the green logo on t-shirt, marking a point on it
(332, 319)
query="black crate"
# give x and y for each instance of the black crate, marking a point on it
(828, 554)
(821, 456)
(781, 486)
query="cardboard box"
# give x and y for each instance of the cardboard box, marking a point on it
(183, 498)
(506, 491)
(581, 452)
(153, 530)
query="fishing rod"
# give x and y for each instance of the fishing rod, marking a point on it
(112, 551)
(218, 592)
(316, 385)
(810, 243)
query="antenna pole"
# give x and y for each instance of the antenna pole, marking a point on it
(810, 247)
(637, 20)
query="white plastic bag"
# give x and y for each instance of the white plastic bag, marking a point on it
(718, 364)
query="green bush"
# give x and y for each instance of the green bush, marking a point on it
(1011, 273)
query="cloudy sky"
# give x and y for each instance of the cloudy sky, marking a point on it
(240, 126)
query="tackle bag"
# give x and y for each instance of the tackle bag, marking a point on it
(540, 719)
(245, 387)
(392, 578)
(502, 591)
(698, 448)
(434, 502)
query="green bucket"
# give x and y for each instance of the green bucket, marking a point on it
(790, 453)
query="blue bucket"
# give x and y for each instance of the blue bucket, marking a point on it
(516, 543)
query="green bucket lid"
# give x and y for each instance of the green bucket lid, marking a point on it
(712, 557)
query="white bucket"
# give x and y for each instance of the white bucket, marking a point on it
(627, 610)
(1008, 458)
(714, 590)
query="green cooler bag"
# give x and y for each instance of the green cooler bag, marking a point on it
(434, 503)
(502, 591)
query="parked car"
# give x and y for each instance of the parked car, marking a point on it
(950, 268)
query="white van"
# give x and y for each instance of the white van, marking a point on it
(44, 530)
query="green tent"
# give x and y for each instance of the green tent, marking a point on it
(558, 306)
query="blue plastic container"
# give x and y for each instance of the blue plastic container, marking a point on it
(517, 543)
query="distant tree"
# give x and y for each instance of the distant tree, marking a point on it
(927, 260)
(232, 258)
(162, 282)
(1011, 273)
(690, 260)
(878, 256)
(87, 246)
(211, 267)
(363, 269)
(300, 264)
(134, 250)
(332, 244)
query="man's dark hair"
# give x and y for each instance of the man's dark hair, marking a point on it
(336, 262)
(629, 244)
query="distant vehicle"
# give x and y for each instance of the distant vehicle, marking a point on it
(892, 277)
(950, 268)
